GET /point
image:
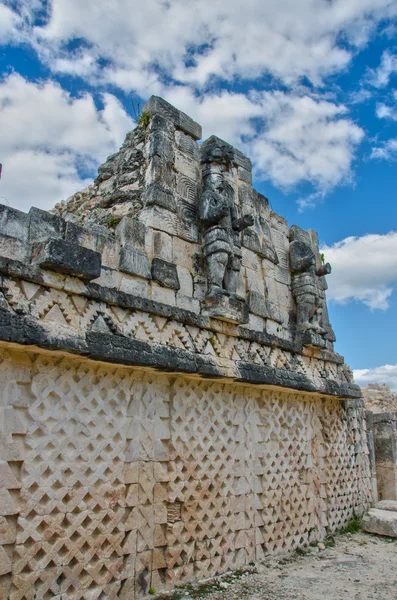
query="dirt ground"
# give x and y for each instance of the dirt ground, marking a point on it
(358, 567)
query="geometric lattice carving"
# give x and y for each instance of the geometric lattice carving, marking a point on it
(129, 479)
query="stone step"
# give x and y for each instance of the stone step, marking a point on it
(382, 519)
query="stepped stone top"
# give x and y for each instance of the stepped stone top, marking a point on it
(379, 398)
(172, 260)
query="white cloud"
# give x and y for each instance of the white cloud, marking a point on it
(9, 21)
(50, 138)
(386, 151)
(182, 50)
(363, 269)
(194, 41)
(380, 77)
(385, 374)
(290, 138)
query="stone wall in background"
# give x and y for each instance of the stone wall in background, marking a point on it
(171, 403)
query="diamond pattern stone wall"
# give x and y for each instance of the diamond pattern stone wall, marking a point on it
(116, 479)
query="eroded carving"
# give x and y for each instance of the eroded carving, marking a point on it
(308, 283)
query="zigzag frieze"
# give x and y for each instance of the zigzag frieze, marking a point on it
(60, 310)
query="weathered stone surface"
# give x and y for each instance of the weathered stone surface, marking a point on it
(387, 505)
(158, 106)
(64, 257)
(165, 273)
(381, 522)
(153, 430)
(135, 262)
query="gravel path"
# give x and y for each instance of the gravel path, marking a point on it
(358, 567)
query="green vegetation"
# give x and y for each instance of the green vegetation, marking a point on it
(353, 526)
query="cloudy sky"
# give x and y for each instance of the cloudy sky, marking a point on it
(306, 88)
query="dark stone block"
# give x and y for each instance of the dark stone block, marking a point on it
(134, 262)
(14, 223)
(165, 273)
(64, 257)
(257, 304)
(44, 226)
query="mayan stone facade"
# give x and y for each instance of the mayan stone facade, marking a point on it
(171, 403)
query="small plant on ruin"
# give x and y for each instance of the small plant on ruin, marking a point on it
(141, 117)
(352, 526)
(152, 591)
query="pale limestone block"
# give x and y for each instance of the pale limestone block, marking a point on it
(127, 589)
(255, 281)
(13, 420)
(75, 285)
(185, 281)
(129, 542)
(272, 327)
(186, 166)
(131, 473)
(130, 522)
(5, 562)
(255, 323)
(7, 477)
(183, 253)
(188, 303)
(380, 522)
(8, 530)
(109, 278)
(134, 286)
(162, 294)
(8, 503)
(55, 280)
(251, 260)
(131, 498)
(162, 245)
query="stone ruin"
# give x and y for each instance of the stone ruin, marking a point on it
(172, 406)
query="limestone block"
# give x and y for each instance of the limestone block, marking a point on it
(62, 257)
(161, 145)
(165, 273)
(188, 303)
(381, 522)
(185, 281)
(257, 304)
(186, 188)
(131, 232)
(185, 166)
(251, 260)
(44, 226)
(255, 282)
(157, 194)
(134, 262)
(7, 477)
(162, 294)
(157, 106)
(387, 505)
(12, 248)
(161, 173)
(8, 530)
(8, 503)
(5, 562)
(134, 286)
(162, 245)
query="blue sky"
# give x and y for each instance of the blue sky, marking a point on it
(307, 89)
